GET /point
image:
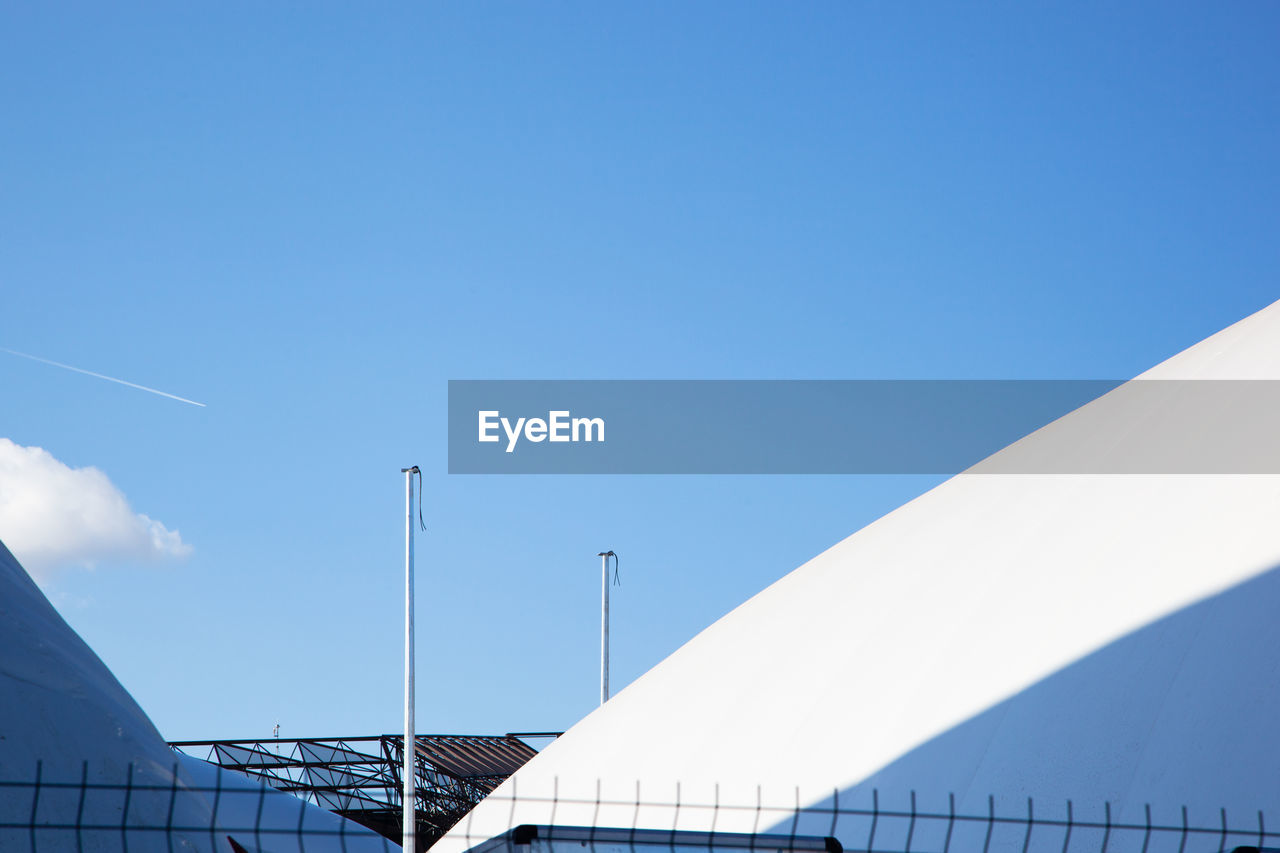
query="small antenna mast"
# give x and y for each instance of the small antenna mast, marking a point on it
(604, 623)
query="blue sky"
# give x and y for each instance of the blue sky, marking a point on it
(310, 218)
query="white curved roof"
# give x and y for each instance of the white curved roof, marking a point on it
(63, 714)
(1098, 638)
(66, 720)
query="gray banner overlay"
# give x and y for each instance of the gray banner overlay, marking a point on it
(864, 427)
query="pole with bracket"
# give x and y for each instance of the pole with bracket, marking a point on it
(410, 738)
(604, 624)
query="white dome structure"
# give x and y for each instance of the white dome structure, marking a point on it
(1003, 643)
(82, 768)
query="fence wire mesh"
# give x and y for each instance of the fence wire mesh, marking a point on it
(872, 822)
(44, 814)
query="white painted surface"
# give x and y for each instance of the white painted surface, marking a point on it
(61, 707)
(64, 715)
(933, 650)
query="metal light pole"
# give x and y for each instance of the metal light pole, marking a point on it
(410, 739)
(604, 625)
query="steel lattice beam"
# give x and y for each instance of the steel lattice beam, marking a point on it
(359, 777)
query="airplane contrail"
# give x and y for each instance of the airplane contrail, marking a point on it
(101, 376)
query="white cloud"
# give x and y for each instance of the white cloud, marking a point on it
(53, 516)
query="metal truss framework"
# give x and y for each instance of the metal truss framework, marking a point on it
(359, 777)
